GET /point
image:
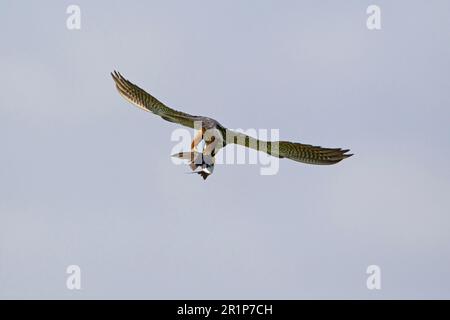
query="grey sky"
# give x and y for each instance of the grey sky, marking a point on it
(86, 179)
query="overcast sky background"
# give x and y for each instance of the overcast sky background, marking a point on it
(86, 179)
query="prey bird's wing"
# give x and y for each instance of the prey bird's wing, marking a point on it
(299, 152)
(147, 102)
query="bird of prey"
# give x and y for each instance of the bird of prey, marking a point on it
(216, 136)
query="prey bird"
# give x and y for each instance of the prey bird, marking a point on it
(216, 136)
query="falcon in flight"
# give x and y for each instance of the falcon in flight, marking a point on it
(216, 136)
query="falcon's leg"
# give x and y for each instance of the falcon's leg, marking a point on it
(198, 137)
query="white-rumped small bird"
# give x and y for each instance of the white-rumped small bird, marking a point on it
(217, 136)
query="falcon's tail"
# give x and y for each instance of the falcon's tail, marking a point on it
(195, 158)
(198, 160)
(203, 173)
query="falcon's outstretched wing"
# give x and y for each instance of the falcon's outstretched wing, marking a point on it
(291, 150)
(147, 102)
(282, 149)
(311, 154)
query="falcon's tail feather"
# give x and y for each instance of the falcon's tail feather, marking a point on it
(203, 173)
(198, 160)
